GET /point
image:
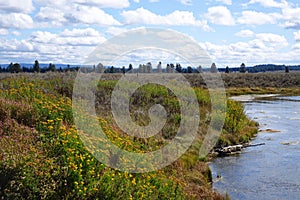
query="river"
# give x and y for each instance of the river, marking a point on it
(271, 171)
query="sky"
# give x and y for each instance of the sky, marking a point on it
(230, 31)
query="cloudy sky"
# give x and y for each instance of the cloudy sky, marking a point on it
(231, 32)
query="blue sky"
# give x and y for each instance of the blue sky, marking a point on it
(231, 32)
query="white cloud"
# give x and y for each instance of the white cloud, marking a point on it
(52, 16)
(72, 37)
(292, 17)
(226, 2)
(186, 2)
(16, 33)
(297, 35)
(136, 1)
(176, 18)
(52, 4)
(220, 15)
(42, 37)
(205, 26)
(258, 18)
(16, 20)
(107, 3)
(3, 31)
(264, 48)
(76, 14)
(99, 3)
(68, 46)
(16, 45)
(115, 30)
(24, 46)
(80, 32)
(104, 3)
(269, 3)
(245, 33)
(296, 46)
(273, 40)
(14, 6)
(91, 15)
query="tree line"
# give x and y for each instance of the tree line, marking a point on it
(35, 68)
(145, 68)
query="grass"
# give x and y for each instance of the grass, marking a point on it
(258, 83)
(42, 156)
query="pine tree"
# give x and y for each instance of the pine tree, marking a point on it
(159, 69)
(213, 68)
(227, 70)
(52, 67)
(178, 68)
(200, 69)
(287, 70)
(130, 68)
(36, 66)
(243, 68)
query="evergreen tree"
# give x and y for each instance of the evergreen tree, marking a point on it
(144, 68)
(172, 68)
(141, 68)
(52, 67)
(26, 69)
(69, 68)
(15, 68)
(168, 69)
(112, 69)
(159, 68)
(10, 67)
(36, 66)
(243, 68)
(130, 68)
(148, 67)
(200, 69)
(287, 70)
(227, 70)
(213, 68)
(178, 67)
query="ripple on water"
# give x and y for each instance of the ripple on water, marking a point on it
(271, 171)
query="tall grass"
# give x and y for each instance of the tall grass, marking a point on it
(42, 156)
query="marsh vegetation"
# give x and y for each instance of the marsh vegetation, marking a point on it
(42, 155)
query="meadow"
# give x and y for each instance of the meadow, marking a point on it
(42, 156)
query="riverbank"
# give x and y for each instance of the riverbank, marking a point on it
(42, 155)
(36, 119)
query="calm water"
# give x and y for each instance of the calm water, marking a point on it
(271, 171)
